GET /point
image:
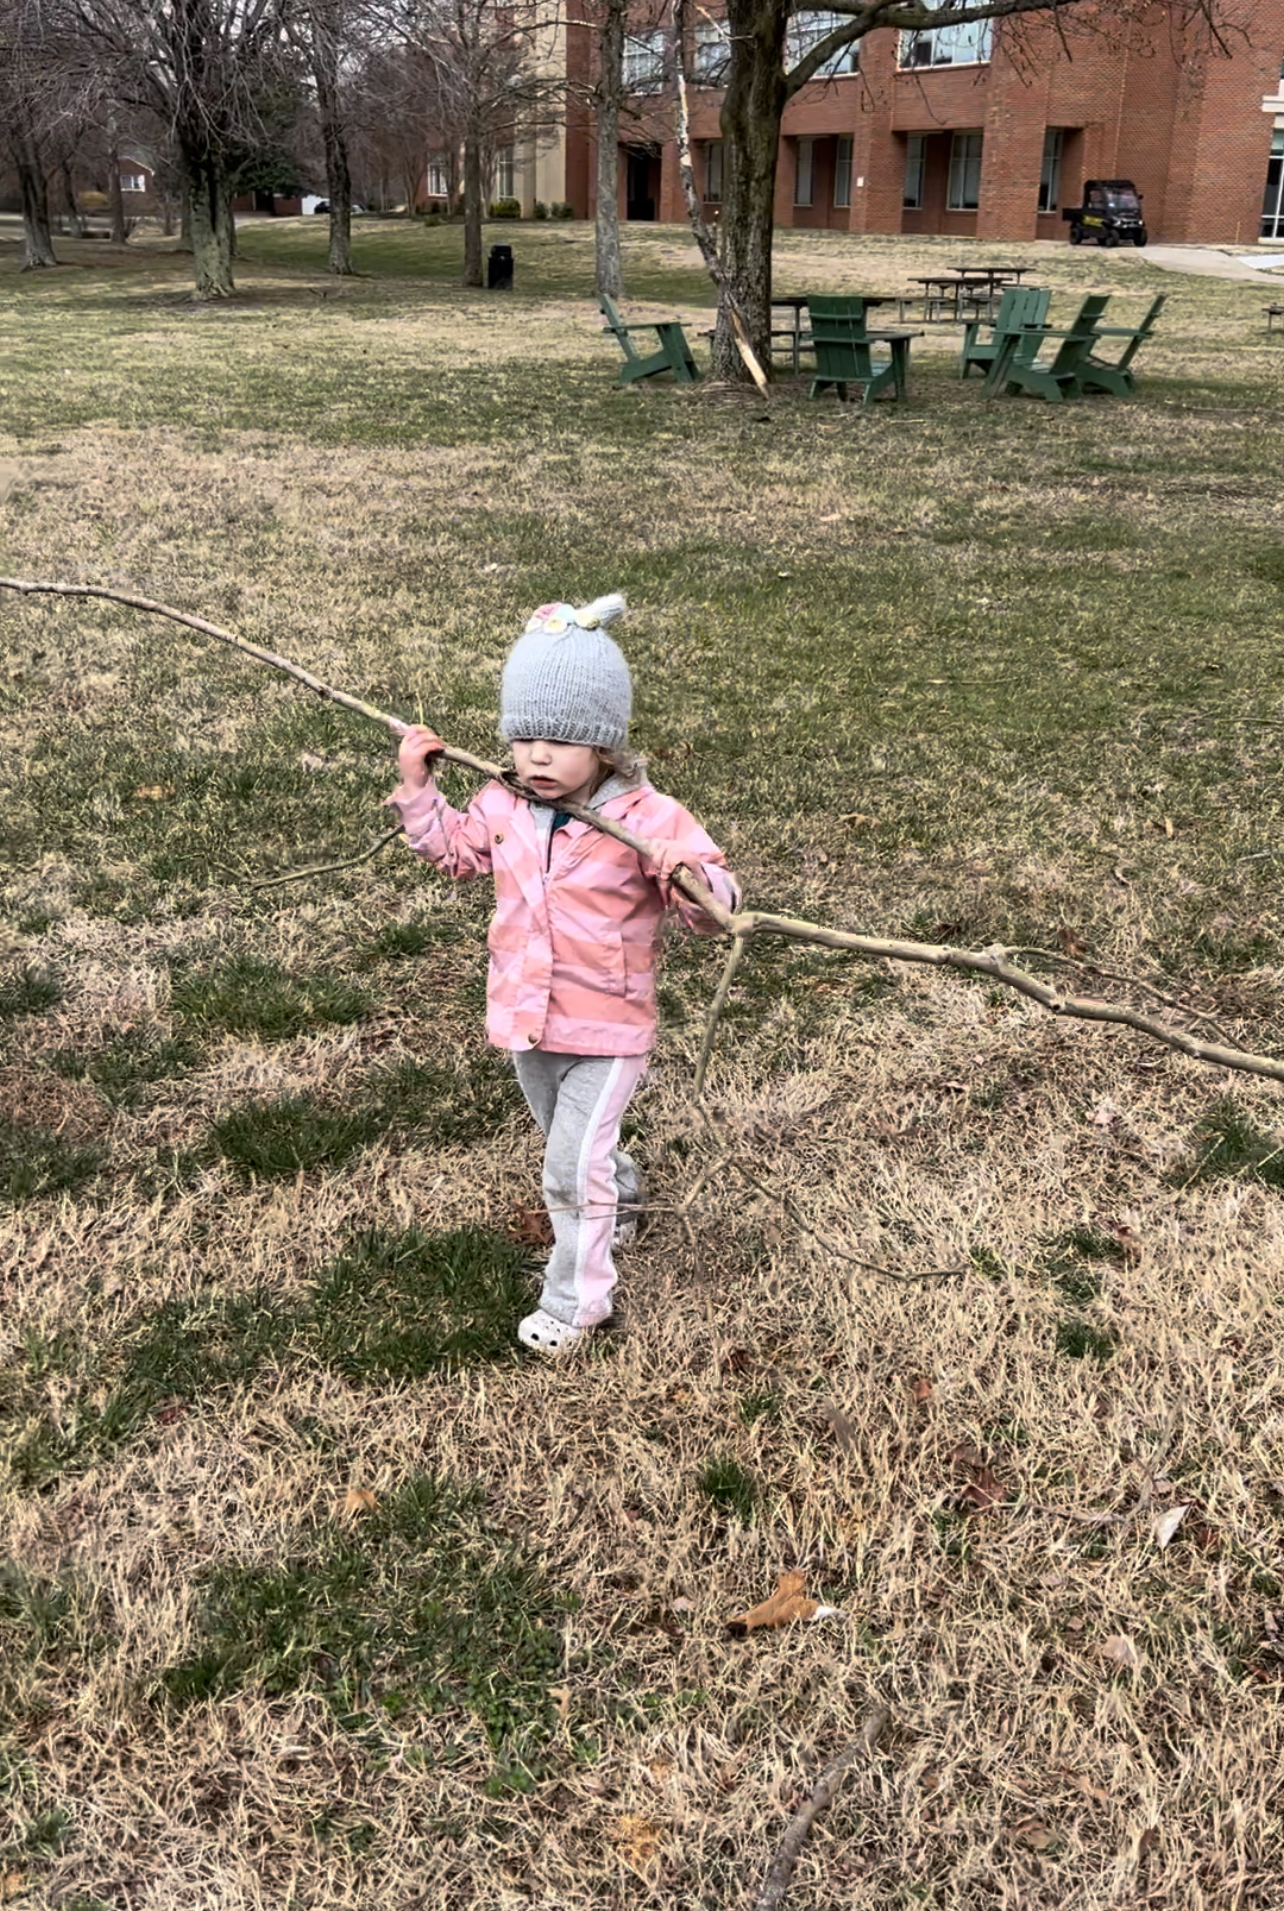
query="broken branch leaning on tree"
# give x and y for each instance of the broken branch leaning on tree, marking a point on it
(991, 962)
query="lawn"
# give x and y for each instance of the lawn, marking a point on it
(317, 1591)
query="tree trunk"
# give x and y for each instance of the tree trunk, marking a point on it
(37, 240)
(115, 196)
(185, 214)
(609, 268)
(751, 113)
(473, 210)
(74, 221)
(211, 224)
(338, 175)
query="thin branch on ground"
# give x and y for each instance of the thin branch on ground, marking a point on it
(327, 869)
(781, 1869)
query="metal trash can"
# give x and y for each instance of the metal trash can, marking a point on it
(499, 272)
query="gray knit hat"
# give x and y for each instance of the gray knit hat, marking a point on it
(566, 681)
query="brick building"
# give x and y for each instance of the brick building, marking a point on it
(983, 131)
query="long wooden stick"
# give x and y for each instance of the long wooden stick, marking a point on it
(781, 1870)
(992, 962)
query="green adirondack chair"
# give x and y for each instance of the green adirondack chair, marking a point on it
(1020, 305)
(844, 348)
(1115, 375)
(1058, 377)
(673, 355)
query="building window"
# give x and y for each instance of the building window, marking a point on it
(712, 53)
(1273, 204)
(713, 172)
(644, 62)
(965, 173)
(1050, 175)
(967, 44)
(132, 182)
(504, 170)
(438, 179)
(803, 171)
(807, 30)
(915, 166)
(843, 172)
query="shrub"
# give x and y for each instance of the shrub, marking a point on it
(505, 209)
(541, 210)
(560, 209)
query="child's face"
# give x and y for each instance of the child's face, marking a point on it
(565, 772)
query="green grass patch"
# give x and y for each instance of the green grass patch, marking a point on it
(731, 1488)
(435, 1105)
(248, 996)
(415, 1608)
(1228, 1145)
(30, 992)
(390, 1308)
(34, 1162)
(126, 1067)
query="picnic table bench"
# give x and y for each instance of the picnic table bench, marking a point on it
(673, 353)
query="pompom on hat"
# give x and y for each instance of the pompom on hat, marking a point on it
(566, 680)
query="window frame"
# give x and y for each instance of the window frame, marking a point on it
(713, 176)
(843, 166)
(965, 170)
(914, 143)
(1050, 170)
(807, 29)
(931, 47)
(805, 174)
(505, 173)
(133, 182)
(644, 61)
(438, 170)
(711, 54)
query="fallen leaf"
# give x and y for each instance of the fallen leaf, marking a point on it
(1149, 1839)
(154, 792)
(1035, 1835)
(636, 1839)
(920, 1391)
(530, 1227)
(12, 1885)
(1121, 1651)
(983, 1490)
(788, 1602)
(965, 1454)
(1071, 943)
(684, 1605)
(1081, 1784)
(357, 1500)
(735, 1360)
(1130, 1242)
(561, 1694)
(1166, 1525)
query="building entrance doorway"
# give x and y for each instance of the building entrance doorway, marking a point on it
(1273, 204)
(641, 182)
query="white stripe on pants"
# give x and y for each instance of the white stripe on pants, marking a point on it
(578, 1102)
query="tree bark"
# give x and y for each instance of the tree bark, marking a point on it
(609, 268)
(473, 183)
(75, 223)
(211, 215)
(37, 240)
(338, 173)
(115, 196)
(751, 114)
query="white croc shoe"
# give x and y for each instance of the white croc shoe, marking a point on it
(545, 1335)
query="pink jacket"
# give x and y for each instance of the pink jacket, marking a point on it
(577, 917)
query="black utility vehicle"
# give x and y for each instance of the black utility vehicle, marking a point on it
(1111, 214)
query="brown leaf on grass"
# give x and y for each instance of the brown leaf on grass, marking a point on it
(1083, 1785)
(920, 1391)
(1071, 943)
(735, 1360)
(530, 1227)
(1166, 1525)
(1148, 1839)
(983, 1490)
(357, 1501)
(636, 1839)
(13, 1884)
(1035, 1835)
(967, 1454)
(788, 1602)
(1121, 1651)
(1131, 1243)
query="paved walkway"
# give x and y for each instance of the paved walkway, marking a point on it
(1209, 260)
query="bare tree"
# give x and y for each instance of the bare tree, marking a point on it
(28, 109)
(215, 73)
(608, 96)
(326, 34)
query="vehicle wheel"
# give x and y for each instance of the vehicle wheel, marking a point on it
(1109, 238)
(1140, 238)
(1076, 235)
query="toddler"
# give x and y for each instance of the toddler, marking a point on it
(573, 943)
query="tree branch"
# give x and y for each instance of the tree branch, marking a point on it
(781, 1870)
(991, 962)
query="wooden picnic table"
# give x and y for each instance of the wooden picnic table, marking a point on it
(976, 285)
(795, 303)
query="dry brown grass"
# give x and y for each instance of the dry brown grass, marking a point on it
(933, 1125)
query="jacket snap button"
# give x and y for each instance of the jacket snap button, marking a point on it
(499, 835)
(532, 1039)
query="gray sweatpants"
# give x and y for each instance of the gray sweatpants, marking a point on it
(578, 1102)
